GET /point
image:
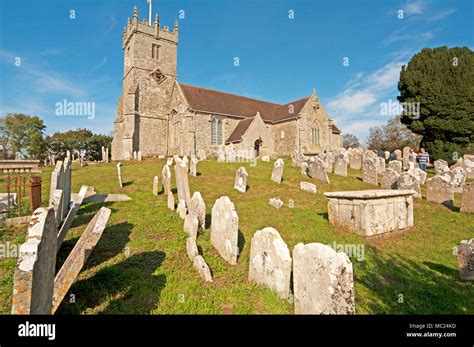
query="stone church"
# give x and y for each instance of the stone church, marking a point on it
(157, 115)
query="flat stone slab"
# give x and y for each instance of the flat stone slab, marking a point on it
(369, 194)
(106, 198)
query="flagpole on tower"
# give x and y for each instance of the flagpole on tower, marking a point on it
(149, 12)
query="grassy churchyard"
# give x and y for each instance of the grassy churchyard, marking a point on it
(140, 265)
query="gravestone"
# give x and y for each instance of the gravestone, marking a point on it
(340, 165)
(389, 179)
(171, 201)
(406, 153)
(119, 174)
(166, 179)
(265, 158)
(169, 161)
(322, 280)
(225, 229)
(240, 182)
(317, 171)
(441, 167)
(467, 198)
(193, 167)
(308, 187)
(202, 268)
(395, 165)
(181, 209)
(418, 174)
(57, 205)
(398, 154)
(407, 182)
(465, 256)
(78, 256)
(468, 165)
(304, 168)
(276, 202)
(355, 159)
(33, 280)
(155, 185)
(185, 160)
(191, 225)
(439, 189)
(380, 162)
(386, 155)
(278, 168)
(458, 178)
(182, 183)
(369, 171)
(197, 207)
(270, 261)
(191, 248)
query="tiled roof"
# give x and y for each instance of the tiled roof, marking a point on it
(213, 101)
(240, 130)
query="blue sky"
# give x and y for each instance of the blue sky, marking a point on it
(281, 59)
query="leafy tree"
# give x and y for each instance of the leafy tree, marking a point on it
(23, 134)
(391, 136)
(442, 81)
(350, 141)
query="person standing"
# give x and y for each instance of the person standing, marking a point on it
(423, 159)
(411, 159)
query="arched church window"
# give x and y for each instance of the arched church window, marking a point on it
(216, 132)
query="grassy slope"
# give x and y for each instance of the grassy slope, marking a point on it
(140, 264)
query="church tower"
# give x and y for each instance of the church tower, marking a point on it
(149, 78)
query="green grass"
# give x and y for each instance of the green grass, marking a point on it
(140, 264)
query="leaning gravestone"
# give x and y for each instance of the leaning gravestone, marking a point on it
(466, 260)
(270, 261)
(277, 173)
(467, 198)
(225, 229)
(439, 189)
(202, 268)
(322, 280)
(406, 153)
(78, 256)
(407, 182)
(197, 207)
(33, 281)
(182, 183)
(389, 179)
(166, 179)
(240, 182)
(191, 248)
(340, 165)
(369, 171)
(395, 165)
(317, 170)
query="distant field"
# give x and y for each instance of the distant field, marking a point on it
(140, 265)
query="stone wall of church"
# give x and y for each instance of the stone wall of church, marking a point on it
(285, 135)
(258, 130)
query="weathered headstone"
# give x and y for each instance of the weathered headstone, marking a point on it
(191, 248)
(119, 174)
(139, 155)
(304, 168)
(225, 229)
(202, 268)
(57, 205)
(240, 182)
(78, 256)
(340, 165)
(398, 154)
(389, 179)
(418, 174)
(439, 189)
(395, 165)
(277, 173)
(191, 225)
(270, 261)
(369, 171)
(276, 202)
(197, 207)
(182, 182)
(355, 159)
(406, 153)
(322, 280)
(468, 165)
(171, 201)
(166, 179)
(317, 171)
(467, 198)
(155, 185)
(33, 281)
(308, 187)
(458, 178)
(181, 209)
(407, 182)
(441, 167)
(380, 163)
(466, 260)
(193, 166)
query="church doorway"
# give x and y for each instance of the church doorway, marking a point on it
(257, 147)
